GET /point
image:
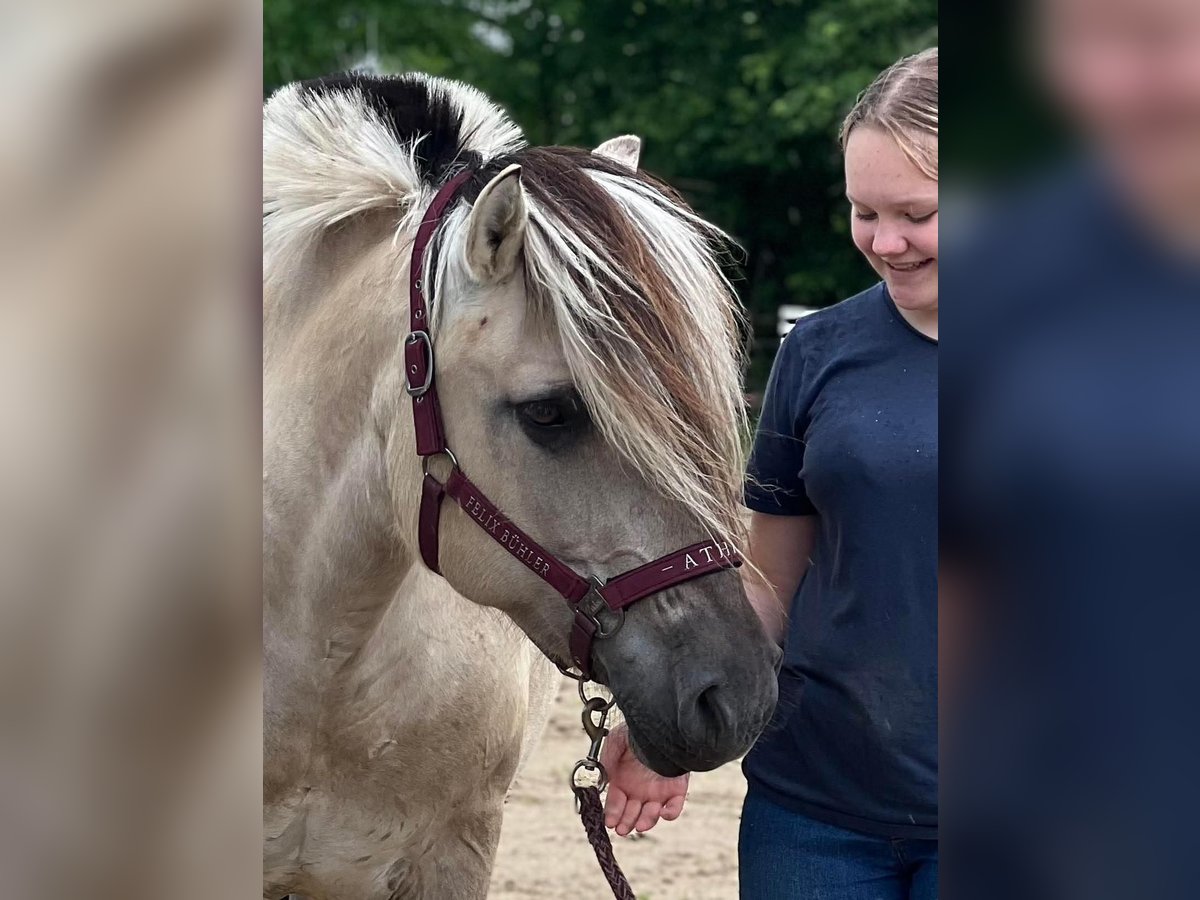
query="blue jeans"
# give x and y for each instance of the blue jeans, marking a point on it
(783, 855)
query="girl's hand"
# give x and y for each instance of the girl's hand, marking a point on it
(637, 797)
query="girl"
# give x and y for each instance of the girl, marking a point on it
(842, 799)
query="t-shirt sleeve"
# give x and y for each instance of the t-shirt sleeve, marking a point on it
(773, 482)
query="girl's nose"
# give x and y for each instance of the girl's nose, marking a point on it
(888, 241)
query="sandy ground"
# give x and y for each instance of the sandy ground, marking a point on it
(545, 854)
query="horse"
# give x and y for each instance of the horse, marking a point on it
(589, 369)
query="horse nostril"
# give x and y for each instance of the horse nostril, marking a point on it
(709, 702)
(712, 712)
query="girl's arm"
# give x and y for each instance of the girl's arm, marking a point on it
(781, 546)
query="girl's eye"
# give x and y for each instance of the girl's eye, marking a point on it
(919, 219)
(543, 413)
(865, 217)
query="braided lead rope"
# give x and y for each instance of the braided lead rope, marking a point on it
(591, 811)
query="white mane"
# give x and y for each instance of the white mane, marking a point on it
(329, 156)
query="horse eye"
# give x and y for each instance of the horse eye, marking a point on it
(543, 413)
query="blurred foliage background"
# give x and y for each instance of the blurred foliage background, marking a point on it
(738, 102)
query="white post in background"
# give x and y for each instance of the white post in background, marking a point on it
(788, 314)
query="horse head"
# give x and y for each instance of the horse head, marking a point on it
(588, 366)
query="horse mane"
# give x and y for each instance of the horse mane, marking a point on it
(343, 145)
(614, 260)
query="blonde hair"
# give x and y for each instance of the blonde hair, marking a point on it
(903, 101)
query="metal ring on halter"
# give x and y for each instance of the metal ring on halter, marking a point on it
(601, 631)
(571, 673)
(446, 452)
(584, 698)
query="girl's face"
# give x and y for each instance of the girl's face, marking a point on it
(1129, 72)
(894, 209)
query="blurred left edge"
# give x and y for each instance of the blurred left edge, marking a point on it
(130, 626)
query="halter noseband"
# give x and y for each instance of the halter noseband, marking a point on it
(585, 596)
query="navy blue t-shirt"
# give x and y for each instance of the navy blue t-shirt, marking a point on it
(849, 434)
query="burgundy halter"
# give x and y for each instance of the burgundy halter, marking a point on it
(585, 596)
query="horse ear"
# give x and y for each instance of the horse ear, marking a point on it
(626, 149)
(496, 228)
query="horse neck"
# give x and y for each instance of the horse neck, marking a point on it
(334, 552)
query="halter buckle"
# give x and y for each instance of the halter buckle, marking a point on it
(596, 585)
(418, 390)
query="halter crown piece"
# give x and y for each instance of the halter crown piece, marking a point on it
(585, 596)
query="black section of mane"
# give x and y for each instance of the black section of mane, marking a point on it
(406, 106)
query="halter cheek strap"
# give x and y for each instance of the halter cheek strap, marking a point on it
(618, 593)
(418, 346)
